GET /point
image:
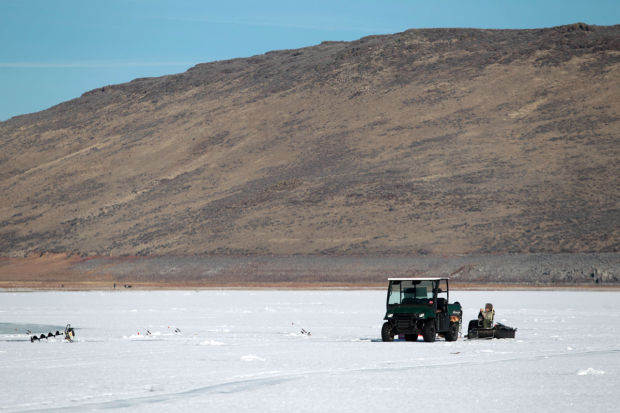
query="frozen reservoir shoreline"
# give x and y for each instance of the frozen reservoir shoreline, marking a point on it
(244, 351)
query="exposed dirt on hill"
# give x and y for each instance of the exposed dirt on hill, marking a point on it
(439, 141)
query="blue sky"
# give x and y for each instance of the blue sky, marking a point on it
(54, 50)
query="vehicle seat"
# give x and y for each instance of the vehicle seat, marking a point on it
(408, 296)
(441, 303)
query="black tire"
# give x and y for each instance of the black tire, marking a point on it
(453, 333)
(386, 332)
(471, 328)
(411, 337)
(428, 331)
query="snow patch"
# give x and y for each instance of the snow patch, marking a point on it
(81, 399)
(139, 337)
(590, 372)
(211, 343)
(220, 330)
(252, 357)
(304, 335)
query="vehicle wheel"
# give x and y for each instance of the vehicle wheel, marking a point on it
(411, 337)
(428, 331)
(471, 328)
(453, 333)
(386, 332)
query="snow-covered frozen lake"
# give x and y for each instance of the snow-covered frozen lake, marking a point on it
(243, 351)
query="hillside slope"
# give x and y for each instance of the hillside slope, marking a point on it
(438, 141)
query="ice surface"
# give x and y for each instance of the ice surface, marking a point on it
(245, 351)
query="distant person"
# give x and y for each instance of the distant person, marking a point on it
(486, 315)
(69, 333)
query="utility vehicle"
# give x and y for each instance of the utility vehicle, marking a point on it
(420, 306)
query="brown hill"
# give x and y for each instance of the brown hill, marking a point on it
(437, 141)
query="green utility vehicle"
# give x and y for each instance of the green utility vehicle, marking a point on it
(420, 306)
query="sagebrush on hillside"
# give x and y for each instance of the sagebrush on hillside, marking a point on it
(427, 141)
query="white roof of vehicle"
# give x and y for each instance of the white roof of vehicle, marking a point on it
(419, 279)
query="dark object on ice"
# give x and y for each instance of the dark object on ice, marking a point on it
(41, 337)
(68, 333)
(476, 330)
(421, 306)
(502, 331)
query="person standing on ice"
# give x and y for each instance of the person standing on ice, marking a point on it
(69, 333)
(486, 315)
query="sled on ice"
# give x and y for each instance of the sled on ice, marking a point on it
(483, 327)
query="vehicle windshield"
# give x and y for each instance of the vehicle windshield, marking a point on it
(410, 292)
